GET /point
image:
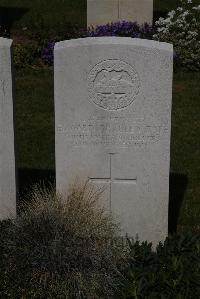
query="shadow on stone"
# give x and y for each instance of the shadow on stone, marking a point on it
(27, 178)
(177, 186)
(9, 15)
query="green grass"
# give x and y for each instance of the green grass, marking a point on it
(53, 15)
(44, 14)
(185, 144)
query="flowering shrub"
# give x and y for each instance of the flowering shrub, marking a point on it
(182, 28)
(122, 28)
(47, 53)
(24, 55)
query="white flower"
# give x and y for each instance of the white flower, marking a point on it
(171, 13)
(193, 33)
(157, 23)
(185, 13)
(181, 27)
(198, 7)
(161, 29)
(167, 20)
(180, 8)
(161, 20)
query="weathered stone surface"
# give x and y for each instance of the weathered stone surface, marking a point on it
(113, 117)
(7, 155)
(101, 12)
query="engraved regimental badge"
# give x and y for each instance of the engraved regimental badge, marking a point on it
(113, 84)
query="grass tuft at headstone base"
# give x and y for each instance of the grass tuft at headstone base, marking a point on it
(69, 247)
(62, 246)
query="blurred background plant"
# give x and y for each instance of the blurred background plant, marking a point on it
(47, 53)
(36, 48)
(25, 55)
(122, 28)
(181, 27)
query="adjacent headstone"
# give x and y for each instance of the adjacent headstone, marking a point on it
(101, 12)
(7, 155)
(113, 117)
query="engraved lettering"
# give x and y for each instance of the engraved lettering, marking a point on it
(112, 131)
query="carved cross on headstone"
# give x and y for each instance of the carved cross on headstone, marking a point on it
(112, 179)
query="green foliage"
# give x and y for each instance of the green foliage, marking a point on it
(25, 55)
(182, 29)
(61, 247)
(172, 271)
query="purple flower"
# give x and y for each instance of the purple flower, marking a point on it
(122, 28)
(47, 53)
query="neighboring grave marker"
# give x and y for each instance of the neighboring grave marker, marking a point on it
(101, 12)
(7, 155)
(113, 118)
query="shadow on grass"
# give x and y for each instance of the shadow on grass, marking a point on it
(27, 178)
(177, 186)
(9, 15)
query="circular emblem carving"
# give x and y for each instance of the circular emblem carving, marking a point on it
(113, 84)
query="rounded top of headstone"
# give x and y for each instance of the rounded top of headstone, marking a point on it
(5, 42)
(129, 41)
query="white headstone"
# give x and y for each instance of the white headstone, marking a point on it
(101, 12)
(113, 117)
(7, 155)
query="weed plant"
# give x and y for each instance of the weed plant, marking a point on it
(62, 247)
(171, 271)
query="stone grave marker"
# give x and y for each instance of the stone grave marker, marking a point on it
(7, 154)
(113, 118)
(101, 12)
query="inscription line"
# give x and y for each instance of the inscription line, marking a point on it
(126, 181)
(100, 179)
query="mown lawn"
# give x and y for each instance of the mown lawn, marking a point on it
(185, 142)
(46, 15)
(54, 15)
